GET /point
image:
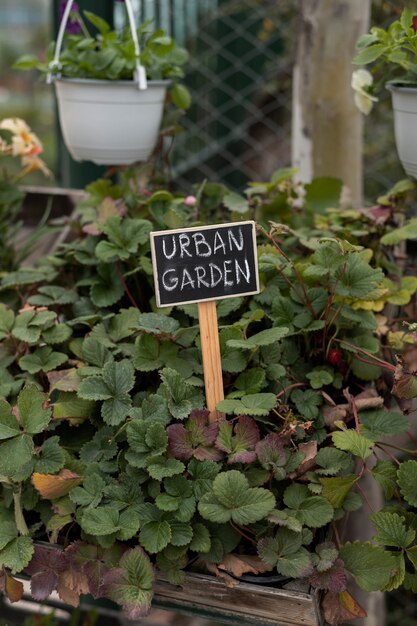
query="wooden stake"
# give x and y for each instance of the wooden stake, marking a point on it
(210, 348)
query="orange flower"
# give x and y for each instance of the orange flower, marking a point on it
(25, 144)
(23, 141)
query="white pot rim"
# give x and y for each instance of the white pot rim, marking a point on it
(111, 83)
(397, 86)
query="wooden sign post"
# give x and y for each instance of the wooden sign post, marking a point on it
(202, 265)
(210, 352)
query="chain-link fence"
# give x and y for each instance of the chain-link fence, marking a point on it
(239, 75)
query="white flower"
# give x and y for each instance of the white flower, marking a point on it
(362, 81)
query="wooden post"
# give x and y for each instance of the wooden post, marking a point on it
(327, 126)
(210, 349)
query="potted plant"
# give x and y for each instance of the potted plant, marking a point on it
(111, 86)
(391, 53)
(109, 468)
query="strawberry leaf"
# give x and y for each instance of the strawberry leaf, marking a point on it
(44, 569)
(240, 446)
(232, 498)
(194, 439)
(17, 554)
(273, 454)
(285, 551)
(370, 565)
(130, 584)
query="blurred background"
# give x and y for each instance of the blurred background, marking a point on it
(239, 74)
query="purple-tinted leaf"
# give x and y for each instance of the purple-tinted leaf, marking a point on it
(333, 579)
(179, 442)
(195, 438)
(131, 583)
(45, 567)
(200, 413)
(239, 441)
(271, 452)
(94, 562)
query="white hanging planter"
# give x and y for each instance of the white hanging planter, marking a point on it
(404, 104)
(108, 122)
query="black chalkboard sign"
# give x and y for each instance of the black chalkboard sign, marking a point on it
(205, 263)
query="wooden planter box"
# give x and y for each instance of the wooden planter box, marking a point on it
(209, 598)
(60, 203)
(244, 604)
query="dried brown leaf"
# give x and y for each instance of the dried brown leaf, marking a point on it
(239, 564)
(310, 452)
(71, 585)
(410, 358)
(12, 588)
(368, 399)
(202, 564)
(338, 607)
(334, 414)
(64, 380)
(51, 486)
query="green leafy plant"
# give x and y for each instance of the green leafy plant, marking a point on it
(390, 53)
(110, 468)
(93, 50)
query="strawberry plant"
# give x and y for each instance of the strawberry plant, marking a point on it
(110, 470)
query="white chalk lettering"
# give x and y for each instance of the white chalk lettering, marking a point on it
(213, 268)
(226, 271)
(200, 241)
(184, 283)
(172, 281)
(184, 243)
(218, 243)
(201, 274)
(239, 270)
(233, 240)
(174, 248)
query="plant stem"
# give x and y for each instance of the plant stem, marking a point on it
(355, 413)
(328, 309)
(18, 513)
(411, 437)
(281, 393)
(381, 362)
(364, 496)
(240, 531)
(388, 453)
(121, 429)
(336, 535)
(126, 288)
(82, 24)
(360, 358)
(408, 451)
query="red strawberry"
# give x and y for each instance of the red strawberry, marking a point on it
(334, 357)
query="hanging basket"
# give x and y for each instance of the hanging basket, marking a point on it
(108, 122)
(404, 104)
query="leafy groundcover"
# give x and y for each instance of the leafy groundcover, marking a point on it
(106, 449)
